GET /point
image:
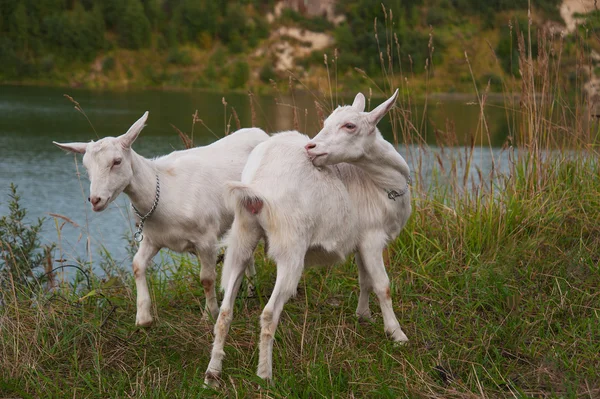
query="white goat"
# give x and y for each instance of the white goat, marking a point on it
(181, 196)
(316, 201)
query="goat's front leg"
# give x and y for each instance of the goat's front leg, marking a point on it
(208, 273)
(288, 277)
(371, 254)
(142, 258)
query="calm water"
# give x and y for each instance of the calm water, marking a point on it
(31, 118)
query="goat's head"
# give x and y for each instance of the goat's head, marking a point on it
(108, 163)
(347, 133)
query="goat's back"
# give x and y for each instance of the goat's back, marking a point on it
(305, 205)
(192, 197)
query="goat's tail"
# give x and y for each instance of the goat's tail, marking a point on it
(244, 235)
(243, 198)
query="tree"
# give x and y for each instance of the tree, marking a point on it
(133, 26)
(19, 26)
(239, 75)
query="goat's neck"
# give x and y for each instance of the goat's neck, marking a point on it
(384, 165)
(142, 187)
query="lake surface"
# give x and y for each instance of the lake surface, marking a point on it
(32, 117)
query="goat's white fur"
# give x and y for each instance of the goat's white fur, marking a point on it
(316, 215)
(192, 213)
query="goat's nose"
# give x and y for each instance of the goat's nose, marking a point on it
(95, 200)
(89, 200)
(310, 146)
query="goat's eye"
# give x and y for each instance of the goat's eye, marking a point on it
(349, 126)
(117, 162)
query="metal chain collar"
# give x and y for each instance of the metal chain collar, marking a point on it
(393, 194)
(138, 236)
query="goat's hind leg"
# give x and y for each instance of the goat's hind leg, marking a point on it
(239, 255)
(289, 272)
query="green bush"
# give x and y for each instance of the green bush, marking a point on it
(495, 81)
(76, 34)
(133, 26)
(179, 57)
(193, 17)
(108, 64)
(21, 253)
(267, 73)
(47, 64)
(507, 49)
(240, 73)
(436, 16)
(315, 24)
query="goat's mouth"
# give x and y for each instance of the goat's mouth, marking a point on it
(317, 158)
(101, 206)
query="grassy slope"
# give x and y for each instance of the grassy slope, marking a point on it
(499, 298)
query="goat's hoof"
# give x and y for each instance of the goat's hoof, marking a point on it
(398, 337)
(267, 376)
(250, 291)
(364, 317)
(212, 379)
(144, 321)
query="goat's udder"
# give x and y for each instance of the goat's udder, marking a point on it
(253, 205)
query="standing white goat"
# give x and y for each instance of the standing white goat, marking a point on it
(317, 201)
(180, 195)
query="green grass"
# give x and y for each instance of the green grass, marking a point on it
(499, 299)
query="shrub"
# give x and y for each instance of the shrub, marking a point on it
(108, 64)
(315, 24)
(507, 49)
(240, 74)
(267, 73)
(21, 253)
(133, 26)
(179, 57)
(436, 16)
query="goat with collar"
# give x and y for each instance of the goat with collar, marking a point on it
(190, 215)
(316, 201)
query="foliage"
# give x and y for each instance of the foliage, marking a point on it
(56, 40)
(179, 56)
(358, 39)
(315, 24)
(508, 46)
(240, 74)
(21, 253)
(267, 73)
(77, 34)
(133, 26)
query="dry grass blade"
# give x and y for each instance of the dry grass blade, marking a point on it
(185, 139)
(238, 125)
(78, 108)
(253, 120)
(65, 218)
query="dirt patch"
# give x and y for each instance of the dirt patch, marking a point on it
(569, 8)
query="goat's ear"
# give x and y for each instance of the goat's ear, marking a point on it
(78, 148)
(128, 138)
(378, 113)
(359, 102)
